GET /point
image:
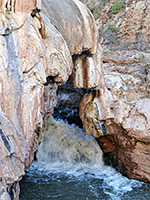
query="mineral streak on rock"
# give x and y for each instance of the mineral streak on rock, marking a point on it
(80, 32)
(18, 6)
(33, 65)
(122, 106)
(115, 110)
(87, 71)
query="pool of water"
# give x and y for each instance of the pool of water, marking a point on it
(107, 185)
(70, 167)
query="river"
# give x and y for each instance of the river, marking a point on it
(70, 166)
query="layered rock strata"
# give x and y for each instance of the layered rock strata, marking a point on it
(118, 114)
(126, 27)
(41, 51)
(33, 65)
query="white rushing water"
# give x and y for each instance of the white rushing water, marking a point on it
(65, 145)
(65, 149)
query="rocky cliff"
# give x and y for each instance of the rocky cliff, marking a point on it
(41, 50)
(123, 109)
(122, 24)
(38, 53)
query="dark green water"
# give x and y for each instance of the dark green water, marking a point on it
(38, 185)
(70, 167)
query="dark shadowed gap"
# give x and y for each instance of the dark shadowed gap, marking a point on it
(68, 102)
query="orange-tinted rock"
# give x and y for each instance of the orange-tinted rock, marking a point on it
(122, 112)
(87, 71)
(18, 5)
(32, 67)
(80, 32)
(130, 156)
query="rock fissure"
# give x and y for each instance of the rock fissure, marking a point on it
(44, 50)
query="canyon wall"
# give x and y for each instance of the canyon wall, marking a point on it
(120, 114)
(37, 51)
(42, 50)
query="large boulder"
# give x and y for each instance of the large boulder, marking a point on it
(75, 22)
(81, 36)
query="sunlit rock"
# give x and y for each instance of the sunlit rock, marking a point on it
(96, 108)
(75, 23)
(87, 71)
(59, 60)
(122, 112)
(138, 122)
(35, 59)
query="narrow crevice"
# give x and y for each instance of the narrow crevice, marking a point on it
(36, 13)
(5, 140)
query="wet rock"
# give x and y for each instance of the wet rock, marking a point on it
(124, 104)
(50, 100)
(126, 153)
(24, 64)
(68, 99)
(95, 109)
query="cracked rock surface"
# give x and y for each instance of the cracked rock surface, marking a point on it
(118, 113)
(35, 58)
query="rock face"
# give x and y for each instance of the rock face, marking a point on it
(81, 36)
(41, 51)
(118, 113)
(36, 57)
(126, 27)
(80, 32)
(129, 81)
(87, 70)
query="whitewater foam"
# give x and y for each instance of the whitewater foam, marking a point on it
(65, 144)
(67, 150)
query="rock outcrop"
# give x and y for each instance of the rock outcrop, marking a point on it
(39, 52)
(81, 36)
(36, 56)
(128, 80)
(126, 27)
(118, 114)
(80, 32)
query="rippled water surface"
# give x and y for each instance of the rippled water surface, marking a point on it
(70, 167)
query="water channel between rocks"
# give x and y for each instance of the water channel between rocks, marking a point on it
(69, 166)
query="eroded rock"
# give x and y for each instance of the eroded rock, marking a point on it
(87, 71)
(80, 32)
(33, 64)
(59, 61)
(24, 64)
(122, 112)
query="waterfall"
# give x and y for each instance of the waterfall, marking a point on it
(69, 166)
(67, 145)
